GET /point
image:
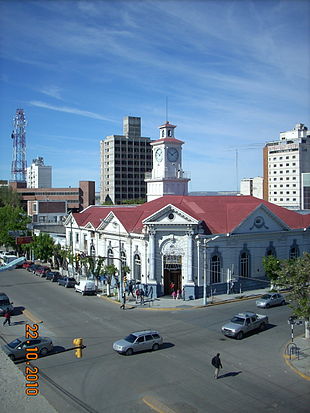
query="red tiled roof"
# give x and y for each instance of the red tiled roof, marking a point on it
(220, 214)
(161, 140)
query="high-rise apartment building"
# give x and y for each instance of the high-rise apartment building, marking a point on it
(39, 175)
(124, 159)
(285, 161)
(252, 186)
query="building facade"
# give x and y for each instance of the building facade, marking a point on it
(124, 160)
(39, 175)
(252, 186)
(199, 243)
(285, 161)
(51, 205)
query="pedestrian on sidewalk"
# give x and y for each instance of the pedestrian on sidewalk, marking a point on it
(123, 300)
(137, 295)
(216, 362)
(7, 316)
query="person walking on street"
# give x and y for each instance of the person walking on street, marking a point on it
(7, 317)
(123, 300)
(216, 362)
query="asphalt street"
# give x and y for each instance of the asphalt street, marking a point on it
(177, 378)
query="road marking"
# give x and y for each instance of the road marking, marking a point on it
(31, 317)
(157, 405)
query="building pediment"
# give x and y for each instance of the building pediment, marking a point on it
(261, 220)
(170, 215)
(112, 224)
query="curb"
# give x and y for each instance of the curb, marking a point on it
(290, 365)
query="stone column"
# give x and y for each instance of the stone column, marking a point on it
(189, 257)
(152, 254)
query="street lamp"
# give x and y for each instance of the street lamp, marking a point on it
(205, 272)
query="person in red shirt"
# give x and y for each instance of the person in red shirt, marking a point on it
(7, 317)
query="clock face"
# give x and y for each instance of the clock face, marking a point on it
(159, 155)
(173, 154)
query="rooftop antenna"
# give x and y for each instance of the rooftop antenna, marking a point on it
(166, 109)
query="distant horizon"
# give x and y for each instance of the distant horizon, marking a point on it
(235, 74)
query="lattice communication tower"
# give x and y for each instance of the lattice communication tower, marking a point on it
(19, 163)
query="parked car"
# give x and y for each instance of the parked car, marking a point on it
(52, 275)
(5, 304)
(243, 323)
(138, 341)
(270, 300)
(27, 264)
(42, 270)
(17, 348)
(32, 268)
(67, 281)
(86, 287)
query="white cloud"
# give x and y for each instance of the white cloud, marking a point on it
(53, 91)
(73, 111)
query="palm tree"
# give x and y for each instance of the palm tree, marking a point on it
(109, 271)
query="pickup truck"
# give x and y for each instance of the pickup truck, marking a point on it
(243, 323)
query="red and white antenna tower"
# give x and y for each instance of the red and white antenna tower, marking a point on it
(19, 163)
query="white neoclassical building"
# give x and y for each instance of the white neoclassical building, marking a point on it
(200, 243)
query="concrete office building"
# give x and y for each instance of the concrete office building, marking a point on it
(124, 159)
(39, 175)
(285, 161)
(252, 186)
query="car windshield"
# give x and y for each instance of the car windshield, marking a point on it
(14, 343)
(131, 338)
(266, 297)
(237, 320)
(4, 302)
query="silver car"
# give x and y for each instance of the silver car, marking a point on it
(270, 300)
(17, 348)
(138, 341)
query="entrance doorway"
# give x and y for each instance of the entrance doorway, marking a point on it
(172, 273)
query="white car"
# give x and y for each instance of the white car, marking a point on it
(270, 300)
(86, 287)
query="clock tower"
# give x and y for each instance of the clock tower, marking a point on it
(167, 176)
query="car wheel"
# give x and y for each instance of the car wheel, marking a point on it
(240, 335)
(155, 347)
(129, 352)
(43, 351)
(12, 357)
(283, 302)
(262, 326)
(267, 305)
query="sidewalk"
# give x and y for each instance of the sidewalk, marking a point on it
(299, 362)
(169, 304)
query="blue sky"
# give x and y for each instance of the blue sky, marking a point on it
(236, 74)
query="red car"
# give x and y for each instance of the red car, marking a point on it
(26, 264)
(42, 270)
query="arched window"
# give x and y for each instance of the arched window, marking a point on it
(244, 264)
(271, 250)
(294, 251)
(215, 268)
(137, 267)
(123, 258)
(110, 257)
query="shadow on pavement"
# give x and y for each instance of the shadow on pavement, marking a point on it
(230, 374)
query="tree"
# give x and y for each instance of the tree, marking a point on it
(295, 274)
(9, 197)
(12, 218)
(43, 246)
(109, 271)
(272, 267)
